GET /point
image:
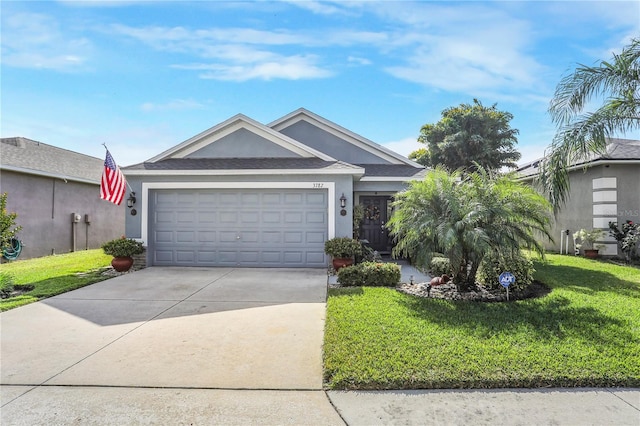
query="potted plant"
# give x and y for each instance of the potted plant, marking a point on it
(122, 249)
(342, 250)
(588, 239)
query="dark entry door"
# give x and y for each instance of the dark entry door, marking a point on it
(376, 212)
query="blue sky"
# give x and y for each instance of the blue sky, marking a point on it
(143, 76)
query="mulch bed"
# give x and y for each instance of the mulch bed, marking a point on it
(479, 294)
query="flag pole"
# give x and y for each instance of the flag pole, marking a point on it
(125, 181)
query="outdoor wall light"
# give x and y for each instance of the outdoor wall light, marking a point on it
(131, 200)
(343, 201)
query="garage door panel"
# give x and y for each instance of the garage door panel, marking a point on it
(249, 228)
(293, 237)
(185, 236)
(207, 256)
(271, 198)
(250, 237)
(164, 217)
(207, 217)
(206, 236)
(271, 217)
(228, 217)
(163, 256)
(163, 236)
(315, 257)
(271, 257)
(249, 218)
(293, 218)
(316, 198)
(185, 256)
(228, 236)
(315, 237)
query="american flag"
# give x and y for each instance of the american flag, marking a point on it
(113, 184)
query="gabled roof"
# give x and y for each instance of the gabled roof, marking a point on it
(617, 151)
(231, 125)
(28, 156)
(342, 133)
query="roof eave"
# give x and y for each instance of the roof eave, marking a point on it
(236, 172)
(48, 174)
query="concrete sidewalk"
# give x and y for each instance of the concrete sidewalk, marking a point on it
(593, 406)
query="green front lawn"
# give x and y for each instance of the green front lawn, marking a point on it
(586, 332)
(52, 275)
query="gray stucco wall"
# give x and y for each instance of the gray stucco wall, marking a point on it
(579, 211)
(44, 206)
(329, 144)
(242, 144)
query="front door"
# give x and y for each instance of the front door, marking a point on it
(376, 213)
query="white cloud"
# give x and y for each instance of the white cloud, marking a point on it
(273, 67)
(320, 8)
(404, 146)
(31, 40)
(358, 60)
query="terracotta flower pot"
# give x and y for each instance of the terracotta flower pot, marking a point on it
(590, 253)
(340, 263)
(122, 264)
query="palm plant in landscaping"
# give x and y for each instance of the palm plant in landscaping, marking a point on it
(466, 217)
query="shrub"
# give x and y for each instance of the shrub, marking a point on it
(8, 228)
(370, 274)
(342, 247)
(440, 266)
(493, 265)
(122, 247)
(627, 238)
(6, 285)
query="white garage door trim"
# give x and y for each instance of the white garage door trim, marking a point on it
(330, 187)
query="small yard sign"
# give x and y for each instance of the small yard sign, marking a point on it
(506, 279)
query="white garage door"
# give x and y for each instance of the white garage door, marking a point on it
(230, 227)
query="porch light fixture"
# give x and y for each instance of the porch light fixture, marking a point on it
(131, 200)
(343, 201)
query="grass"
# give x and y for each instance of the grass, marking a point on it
(586, 332)
(52, 275)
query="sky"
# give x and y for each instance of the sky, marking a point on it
(144, 76)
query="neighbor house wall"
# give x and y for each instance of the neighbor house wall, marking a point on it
(44, 206)
(598, 195)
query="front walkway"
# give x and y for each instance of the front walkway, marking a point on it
(409, 274)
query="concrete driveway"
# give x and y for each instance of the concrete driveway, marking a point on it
(171, 345)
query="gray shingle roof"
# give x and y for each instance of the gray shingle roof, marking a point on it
(617, 150)
(35, 157)
(240, 164)
(392, 170)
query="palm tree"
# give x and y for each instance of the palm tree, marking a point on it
(581, 134)
(465, 218)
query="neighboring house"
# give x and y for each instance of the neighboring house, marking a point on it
(46, 187)
(604, 189)
(246, 194)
